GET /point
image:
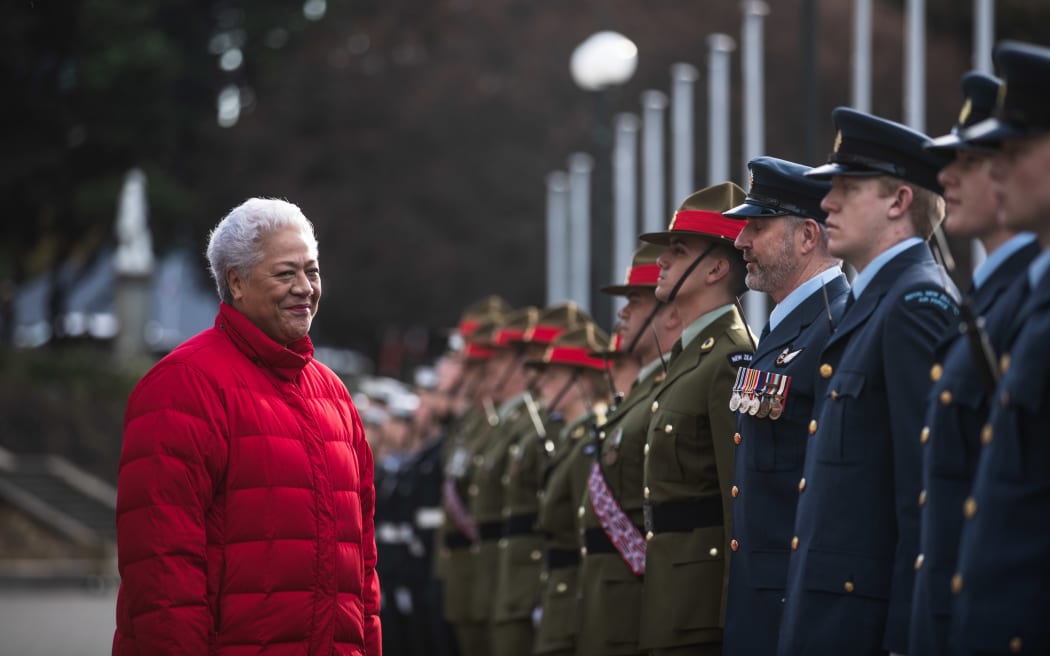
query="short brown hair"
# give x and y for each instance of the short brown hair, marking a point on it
(927, 207)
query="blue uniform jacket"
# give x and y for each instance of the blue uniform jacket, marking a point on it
(769, 459)
(850, 575)
(1003, 584)
(956, 412)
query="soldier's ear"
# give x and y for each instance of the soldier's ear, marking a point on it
(902, 198)
(811, 236)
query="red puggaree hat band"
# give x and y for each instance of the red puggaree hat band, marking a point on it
(543, 334)
(643, 275)
(706, 223)
(473, 351)
(573, 356)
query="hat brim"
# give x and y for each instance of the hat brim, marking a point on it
(831, 169)
(751, 209)
(624, 290)
(950, 143)
(991, 132)
(664, 238)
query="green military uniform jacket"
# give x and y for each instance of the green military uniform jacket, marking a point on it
(565, 479)
(521, 547)
(612, 594)
(688, 471)
(454, 563)
(486, 502)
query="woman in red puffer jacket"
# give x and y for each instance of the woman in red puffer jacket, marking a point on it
(245, 494)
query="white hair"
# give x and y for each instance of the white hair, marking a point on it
(235, 243)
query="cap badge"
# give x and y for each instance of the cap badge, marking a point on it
(750, 179)
(965, 113)
(838, 140)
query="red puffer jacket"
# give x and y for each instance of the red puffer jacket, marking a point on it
(244, 504)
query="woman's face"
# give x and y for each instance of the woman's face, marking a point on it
(281, 293)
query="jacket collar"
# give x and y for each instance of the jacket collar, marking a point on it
(809, 310)
(286, 362)
(888, 275)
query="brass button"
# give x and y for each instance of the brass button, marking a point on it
(801, 485)
(969, 508)
(935, 372)
(924, 436)
(918, 562)
(1004, 363)
(535, 554)
(957, 583)
(812, 426)
(503, 543)
(601, 435)
(735, 491)
(713, 552)
(645, 451)
(1016, 645)
(922, 498)
(655, 406)
(737, 438)
(561, 587)
(645, 492)
(946, 397)
(826, 370)
(648, 536)
(986, 434)
(668, 428)
(583, 552)
(734, 545)
(580, 512)
(472, 490)
(848, 586)
(794, 543)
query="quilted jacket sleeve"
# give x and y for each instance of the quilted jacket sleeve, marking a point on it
(172, 459)
(370, 587)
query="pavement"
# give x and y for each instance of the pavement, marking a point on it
(57, 622)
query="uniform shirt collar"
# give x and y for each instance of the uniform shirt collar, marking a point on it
(865, 277)
(1037, 269)
(801, 293)
(999, 256)
(644, 372)
(690, 332)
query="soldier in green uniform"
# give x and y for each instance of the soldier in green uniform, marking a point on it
(571, 384)
(454, 564)
(689, 449)
(611, 522)
(531, 444)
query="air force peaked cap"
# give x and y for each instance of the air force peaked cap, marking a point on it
(1021, 109)
(781, 188)
(979, 94)
(867, 145)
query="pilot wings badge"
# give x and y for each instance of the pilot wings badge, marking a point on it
(787, 355)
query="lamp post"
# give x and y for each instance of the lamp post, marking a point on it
(603, 61)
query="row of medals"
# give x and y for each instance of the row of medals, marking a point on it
(765, 402)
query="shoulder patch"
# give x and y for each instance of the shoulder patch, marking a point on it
(934, 299)
(739, 358)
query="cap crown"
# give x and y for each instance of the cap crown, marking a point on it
(867, 145)
(643, 271)
(575, 347)
(701, 214)
(1025, 69)
(487, 308)
(516, 325)
(555, 320)
(778, 188)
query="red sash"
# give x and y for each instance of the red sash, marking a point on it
(623, 534)
(458, 512)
